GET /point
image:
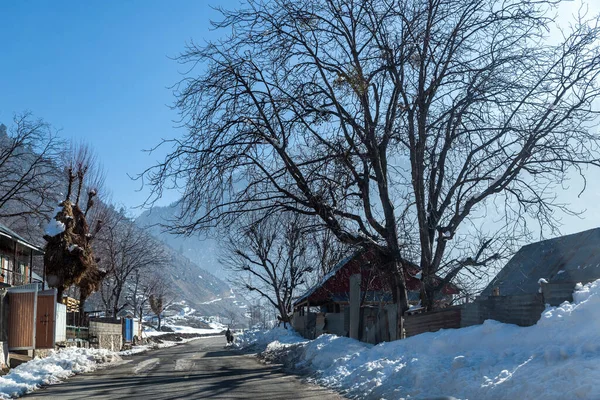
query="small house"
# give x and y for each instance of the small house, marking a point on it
(325, 308)
(31, 321)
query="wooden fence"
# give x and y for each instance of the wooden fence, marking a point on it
(523, 310)
(448, 318)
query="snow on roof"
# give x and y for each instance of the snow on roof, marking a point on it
(327, 277)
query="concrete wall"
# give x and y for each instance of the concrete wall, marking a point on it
(106, 334)
(334, 323)
(60, 333)
(4, 357)
(3, 316)
(305, 325)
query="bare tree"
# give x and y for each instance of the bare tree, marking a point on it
(394, 122)
(69, 257)
(269, 257)
(127, 252)
(29, 154)
(160, 298)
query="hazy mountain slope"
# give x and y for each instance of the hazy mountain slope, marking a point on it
(202, 251)
(196, 271)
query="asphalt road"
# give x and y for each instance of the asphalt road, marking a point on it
(200, 369)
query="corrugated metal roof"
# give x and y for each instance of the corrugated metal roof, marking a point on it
(571, 258)
(6, 231)
(329, 275)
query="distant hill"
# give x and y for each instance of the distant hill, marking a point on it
(202, 251)
(196, 270)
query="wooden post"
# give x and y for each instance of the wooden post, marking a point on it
(355, 306)
(30, 266)
(14, 268)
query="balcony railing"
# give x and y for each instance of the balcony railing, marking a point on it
(14, 278)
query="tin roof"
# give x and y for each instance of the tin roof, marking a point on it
(566, 259)
(6, 231)
(335, 285)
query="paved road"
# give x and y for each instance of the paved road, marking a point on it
(200, 369)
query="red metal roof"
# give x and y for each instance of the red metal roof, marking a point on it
(338, 280)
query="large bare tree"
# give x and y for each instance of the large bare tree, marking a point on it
(397, 123)
(69, 258)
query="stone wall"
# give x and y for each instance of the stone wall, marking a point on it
(106, 334)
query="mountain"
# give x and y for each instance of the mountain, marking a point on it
(201, 290)
(203, 251)
(196, 271)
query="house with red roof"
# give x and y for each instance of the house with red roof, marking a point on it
(325, 307)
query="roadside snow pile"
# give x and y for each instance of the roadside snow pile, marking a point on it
(558, 358)
(52, 369)
(136, 350)
(260, 339)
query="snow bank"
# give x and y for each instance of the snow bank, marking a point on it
(261, 339)
(558, 358)
(52, 369)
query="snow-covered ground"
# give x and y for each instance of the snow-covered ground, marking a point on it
(148, 331)
(145, 347)
(177, 323)
(559, 358)
(52, 369)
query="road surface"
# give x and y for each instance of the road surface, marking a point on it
(200, 369)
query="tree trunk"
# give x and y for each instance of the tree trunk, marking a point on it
(82, 304)
(159, 319)
(427, 293)
(400, 298)
(59, 294)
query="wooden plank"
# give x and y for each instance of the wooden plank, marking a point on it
(21, 320)
(432, 322)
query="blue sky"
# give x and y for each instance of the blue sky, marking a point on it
(100, 71)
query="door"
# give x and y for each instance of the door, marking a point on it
(46, 318)
(22, 317)
(128, 330)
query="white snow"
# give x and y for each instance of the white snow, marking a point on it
(58, 366)
(136, 350)
(540, 282)
(72, 247)
(558, 358)
(184, 329)
(212, 301)
(54, 227)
